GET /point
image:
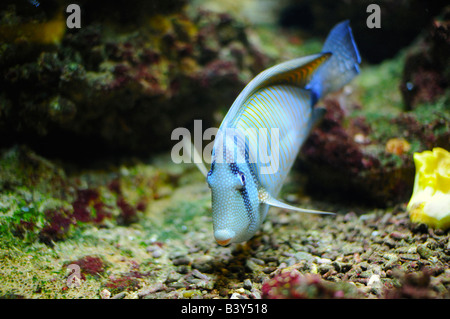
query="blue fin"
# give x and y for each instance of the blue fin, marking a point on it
(341, 67)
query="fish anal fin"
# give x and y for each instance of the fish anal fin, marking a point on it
(266, 198)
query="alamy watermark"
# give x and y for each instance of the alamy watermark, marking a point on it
(231, 145)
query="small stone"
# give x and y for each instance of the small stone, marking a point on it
(199, 275)
(323, 260)
(235, 295)
(158, 252)
(173, 276)
(374, 281)
(120, 295)
(105, 294)
(181, 261)
(412, 257)
(424, 252)
(255, 294)
(248, 284)
(324, 268)
(398, 235)
(151, 289)
(301, 255)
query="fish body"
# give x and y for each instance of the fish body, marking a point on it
(262, 133)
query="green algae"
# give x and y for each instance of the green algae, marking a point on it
(378, 88)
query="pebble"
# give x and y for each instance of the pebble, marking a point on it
(323, 260)
(251, 265)
(235, 295)
(324, 268)
(105, 294)
(199, 275)
(173, 276)
(424, 252)
(413, 257)
(301, 255)
(156, 252)
(151, 289)
(255, 294)
(181, 261)
(398, 235)
(248, 284)
(120, 295)
(375, 282)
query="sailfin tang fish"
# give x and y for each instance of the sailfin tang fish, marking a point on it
(262, 133)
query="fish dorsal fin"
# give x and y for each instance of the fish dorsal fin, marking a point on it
(296, 72)
(266, 198)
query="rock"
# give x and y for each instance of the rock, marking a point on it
(426, 72)
(248, 284)
(105, 294)
(99, 91)
(424, 252)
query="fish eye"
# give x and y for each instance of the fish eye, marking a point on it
(241, 179)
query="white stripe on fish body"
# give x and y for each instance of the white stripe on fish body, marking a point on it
(283, 107)
(279, 100)
(260, 81)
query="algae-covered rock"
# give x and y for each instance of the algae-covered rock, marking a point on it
(40, 202)
(121, 82)
(370, 159)
(426, 75)
(364, 147)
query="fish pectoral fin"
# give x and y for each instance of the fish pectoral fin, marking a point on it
(266, 198)
(195, 156)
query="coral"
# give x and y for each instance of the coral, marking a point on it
(364, 146)
(58, 225)
(104, 90)
(123, 283)
(90, 265)
(344, 155)
(293, 285)
(430, 200)
(88, 207)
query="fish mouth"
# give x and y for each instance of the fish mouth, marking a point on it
(223, 236)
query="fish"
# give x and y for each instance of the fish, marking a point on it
(261, 135)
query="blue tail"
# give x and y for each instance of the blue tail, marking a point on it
(341, 67)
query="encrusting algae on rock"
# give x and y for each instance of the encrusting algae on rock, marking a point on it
(430, 201)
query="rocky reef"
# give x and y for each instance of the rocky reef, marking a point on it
(102, 88)
(363, 148)
(87, 183)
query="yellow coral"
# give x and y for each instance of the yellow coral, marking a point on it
(430, 201)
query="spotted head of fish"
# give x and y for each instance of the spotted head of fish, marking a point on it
(235, 202)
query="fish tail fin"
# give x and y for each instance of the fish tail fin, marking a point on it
(341, 67)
